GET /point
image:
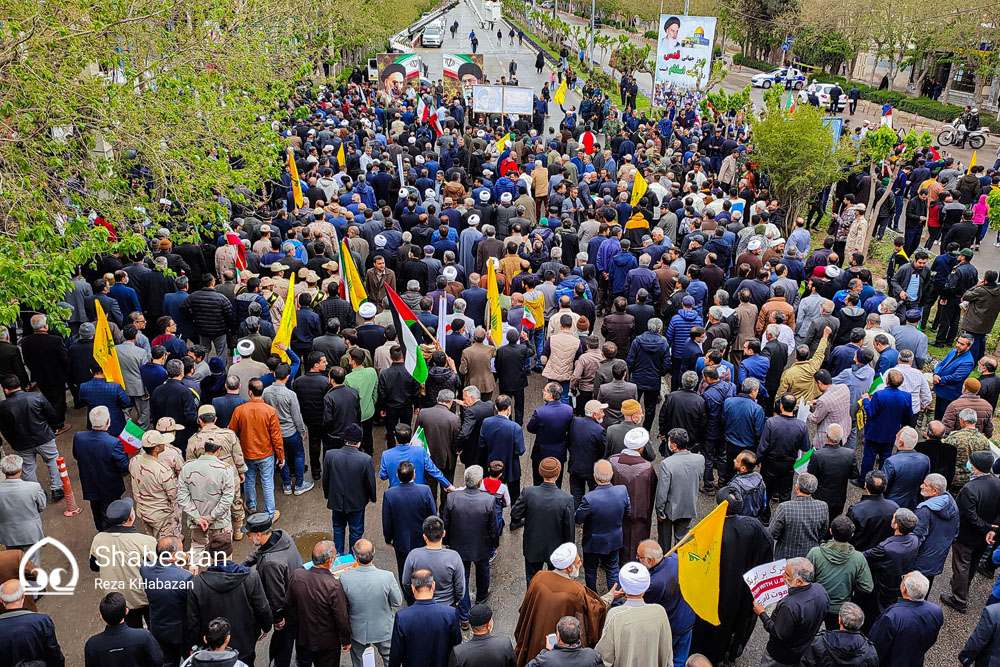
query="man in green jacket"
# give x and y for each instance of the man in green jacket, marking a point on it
(365, 380)
(840, 568)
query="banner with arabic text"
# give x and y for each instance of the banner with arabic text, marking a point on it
(683, 54)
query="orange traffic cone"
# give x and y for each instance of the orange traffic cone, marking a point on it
(72, 509)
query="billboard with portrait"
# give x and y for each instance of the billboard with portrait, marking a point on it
(683, 54)
(461, 73)
(487, 99)
(395, 69)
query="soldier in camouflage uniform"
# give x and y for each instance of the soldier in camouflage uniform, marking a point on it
(230, 453)
(170, 456)
(205, 491)
(155, 488)
(966, 440)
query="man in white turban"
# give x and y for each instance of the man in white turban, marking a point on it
(636, 634)
(553, 594)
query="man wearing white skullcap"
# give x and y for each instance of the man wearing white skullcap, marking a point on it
(553, 594)
(636, 634)
(638, 476)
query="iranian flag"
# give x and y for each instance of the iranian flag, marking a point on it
(404, 318)
(419, 439)
(527, 320)
(802, 464)
(423, 111)
(436, 124)
(131, 437)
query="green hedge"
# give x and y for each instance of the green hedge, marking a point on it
(740, 59)
(651, 34)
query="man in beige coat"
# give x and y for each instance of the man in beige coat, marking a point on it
(559, 354)
(475, 364)
(746, 315)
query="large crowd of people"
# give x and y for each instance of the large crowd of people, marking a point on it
(690, 336)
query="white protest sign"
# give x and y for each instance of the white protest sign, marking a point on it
(767, 583)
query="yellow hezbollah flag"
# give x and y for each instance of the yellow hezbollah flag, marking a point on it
(560, 96)
(698, 565)
(296, 183)
(972, 162)
(341, 160)
(537, 307)
(493, 303)
(638, 188)
(289, 320)
(350, 278)
(502, 141)
(104, 349)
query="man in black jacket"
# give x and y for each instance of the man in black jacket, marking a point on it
(212, 315)
(234, 592)
(397, 394)
(27, 422)
(173, 399)
(833, 465)
(25, 635)
(120, 645)
(472, 530)
(797, 617)
(474, 412)
(685, 409)
(484, 649)
(845, 647)
(348, 486)
(341, 407)
(547, 515)
(511, 367)
(46, 358)
(978, 507)
(872, 514)
(311, 389)
(275, 559)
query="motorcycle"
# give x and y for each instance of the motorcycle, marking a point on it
(950, 135)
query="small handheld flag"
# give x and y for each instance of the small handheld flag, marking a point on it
(802, 463)
(131, 437)
(293, 170)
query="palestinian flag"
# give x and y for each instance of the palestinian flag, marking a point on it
(404, 318)
(350, 280)
(802, 464)
(131, 437)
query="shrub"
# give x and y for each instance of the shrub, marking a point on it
(741, 59)
(651, 34)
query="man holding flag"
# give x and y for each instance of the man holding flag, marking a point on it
(399, 385)
(723, 603)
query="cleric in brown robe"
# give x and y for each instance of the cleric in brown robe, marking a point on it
(638, 476)
(745, 545)
(553, 594)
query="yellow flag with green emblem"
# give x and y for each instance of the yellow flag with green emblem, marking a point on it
(698, 562)
(289, 319)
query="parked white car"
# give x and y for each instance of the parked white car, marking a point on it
(789, 76)
(433, 36)
(822, 91)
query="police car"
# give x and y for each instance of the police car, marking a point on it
(789, 76)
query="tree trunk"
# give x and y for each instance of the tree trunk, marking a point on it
(947, 87)
(872, 207)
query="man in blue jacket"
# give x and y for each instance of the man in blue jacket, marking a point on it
(907, 630)
(27, 636)
(415, 453)
(103, 465)
(166, 588)
(587, 441)
(550, 423)
(754, 365)
(404, 508)
(647, 359)
(950, 374)
(601, 513)
(503, 440)
(119, 645)
(716, 393)
(745, 422)
(906, 469)
(425, 632)
(886, 411)
(664, 590)
(619, 267)
(937, 526)
(678, 334)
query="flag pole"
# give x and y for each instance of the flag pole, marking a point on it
(681, 542)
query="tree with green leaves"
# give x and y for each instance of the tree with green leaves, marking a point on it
(797, 153)
(885, 155)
